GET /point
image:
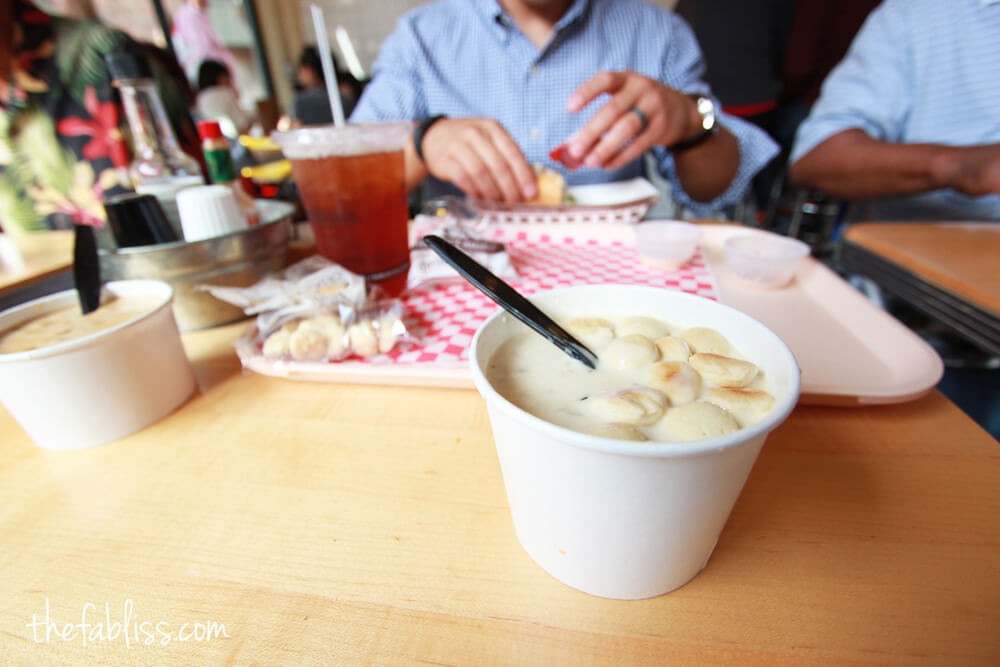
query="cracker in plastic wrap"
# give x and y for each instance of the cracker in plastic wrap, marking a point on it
(315, 311)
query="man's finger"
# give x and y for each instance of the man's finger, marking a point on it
(474, 175)
(497, 169)
(626, 127)
(561, 154)
(639, 145)
(583, 142)
(520, 170)
(602, 82)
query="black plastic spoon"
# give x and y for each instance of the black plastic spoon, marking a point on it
(86, 268)
(511, 300)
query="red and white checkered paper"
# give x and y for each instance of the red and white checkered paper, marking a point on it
(445, 315)
(442, 316)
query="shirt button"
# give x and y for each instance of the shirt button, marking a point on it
(535, 133)
(533, 69)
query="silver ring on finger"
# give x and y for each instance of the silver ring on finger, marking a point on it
(643, 119)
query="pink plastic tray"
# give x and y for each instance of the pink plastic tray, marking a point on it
(850, 351)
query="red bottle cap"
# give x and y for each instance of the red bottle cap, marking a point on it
(209, 129)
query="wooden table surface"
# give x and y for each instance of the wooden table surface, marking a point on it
(44, 254)
(304, 523)
(958, 257)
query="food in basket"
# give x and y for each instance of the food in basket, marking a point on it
(652, 382)
(551, 187)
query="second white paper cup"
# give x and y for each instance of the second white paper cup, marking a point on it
(209, 211)
(102, 387)
(619, 519)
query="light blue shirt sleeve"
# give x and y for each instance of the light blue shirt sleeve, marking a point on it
(394, 92)
(872, 87)
(919, 71)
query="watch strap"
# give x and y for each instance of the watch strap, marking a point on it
(420, 131)
(710, 126)
(691, 142)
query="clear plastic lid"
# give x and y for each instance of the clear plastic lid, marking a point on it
(330, 140)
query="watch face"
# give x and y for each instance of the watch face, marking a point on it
(706, 107)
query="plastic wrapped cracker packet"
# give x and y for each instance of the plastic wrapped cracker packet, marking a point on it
(312, 281)
(325, 336)
(316, 311)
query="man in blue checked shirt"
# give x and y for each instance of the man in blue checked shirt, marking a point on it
(908, 124)
(495, 85)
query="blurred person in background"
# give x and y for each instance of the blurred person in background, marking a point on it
(744, 47)
(906, 126)
(820, 34)
(217, 100)
(195, 40)
(311, 105)
(495, 85)
(63, 133)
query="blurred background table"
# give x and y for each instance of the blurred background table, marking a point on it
(351, 525)
(947, 270)
(46, 260)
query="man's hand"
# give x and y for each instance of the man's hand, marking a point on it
(672, 116)
(976, 170)
(478, 156)
(853, 165)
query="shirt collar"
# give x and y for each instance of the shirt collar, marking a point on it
(575, 11)
(495, 14)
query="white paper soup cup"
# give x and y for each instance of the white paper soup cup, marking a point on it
(620, 519)
(102, 387)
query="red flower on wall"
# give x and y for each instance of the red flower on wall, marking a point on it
(102, 127)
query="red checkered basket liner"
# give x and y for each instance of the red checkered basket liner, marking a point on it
(444, 315)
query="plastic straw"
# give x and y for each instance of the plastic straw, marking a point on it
(329, 72)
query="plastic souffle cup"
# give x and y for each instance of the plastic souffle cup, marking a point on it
(666, 244)
(618, 519)
(764, 259)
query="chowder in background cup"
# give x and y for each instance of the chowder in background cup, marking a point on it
(101, 387)
(622, 519)
(352, 184)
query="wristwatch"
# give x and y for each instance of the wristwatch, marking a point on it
(709, 125)
(420, 131)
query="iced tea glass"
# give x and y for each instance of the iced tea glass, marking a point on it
(351, 181)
